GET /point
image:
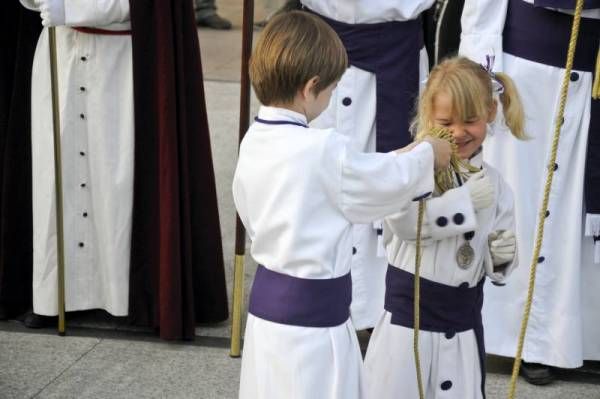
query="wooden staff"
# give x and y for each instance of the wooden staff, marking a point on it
(240, 233)
(60, 242)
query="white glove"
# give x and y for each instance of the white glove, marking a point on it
(503, 245)
(52, 12)
(481, 190)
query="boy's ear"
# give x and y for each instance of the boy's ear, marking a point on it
(493, 111)
(309, 87)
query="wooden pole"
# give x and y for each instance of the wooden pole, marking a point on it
(58, 178)
(240, 233)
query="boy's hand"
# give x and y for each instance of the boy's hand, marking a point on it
(503, 246)
(442, 150)
(52, 12)
(481, 190)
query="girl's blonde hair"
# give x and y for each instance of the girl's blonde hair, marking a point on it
(470, 87)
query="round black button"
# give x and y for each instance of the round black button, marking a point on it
(84, 59)
(555, 167)
(347, 101)
(469, 235)
(562, 120)
(353, 250)
(547, 213)
(464, 285)
(84, 214)
(82, 116)
(82, 185)
(446, 385)
(541, 259)
(450, 334)
(574, 77)
(82, 88)
(441, 221)
(82, 153)
(80, 245)
(458, 218)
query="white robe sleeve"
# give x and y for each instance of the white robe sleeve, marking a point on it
(446, 216)
(96, 13)
(482, 24)
(375, 185)
(504, 220)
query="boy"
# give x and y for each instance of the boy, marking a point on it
(298, 191)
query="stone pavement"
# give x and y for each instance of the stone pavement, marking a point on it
(101, 358)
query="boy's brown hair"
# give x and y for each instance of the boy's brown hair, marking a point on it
(294, 47)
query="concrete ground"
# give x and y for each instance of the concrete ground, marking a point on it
(101, 358)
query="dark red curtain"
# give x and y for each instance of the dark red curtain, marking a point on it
(19, 32)
(177, 274)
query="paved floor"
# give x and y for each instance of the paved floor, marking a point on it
(102, 359)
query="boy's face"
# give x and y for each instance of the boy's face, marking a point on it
(315, 105)
(469, 134)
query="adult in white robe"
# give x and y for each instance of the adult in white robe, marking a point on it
(298, 190)
(450, 361)
(352, 111)
(564, 324)
(96, 106)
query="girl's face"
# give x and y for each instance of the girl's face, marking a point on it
(469, 134)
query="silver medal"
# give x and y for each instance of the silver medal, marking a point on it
(465, 256)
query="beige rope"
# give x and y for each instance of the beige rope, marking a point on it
(417, 299)
(541, 216)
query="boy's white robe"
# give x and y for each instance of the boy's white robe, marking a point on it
(357, 121)
(389, 363)
(96, 105)
(298, 190)
(564, 325)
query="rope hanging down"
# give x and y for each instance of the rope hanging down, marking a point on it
(444, 181)
(548, 185)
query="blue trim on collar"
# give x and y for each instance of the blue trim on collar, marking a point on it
(279, 122)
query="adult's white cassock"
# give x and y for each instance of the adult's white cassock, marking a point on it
(96, 105)
(352, 112)
(298, 191)
(565, 323)
(450, 361)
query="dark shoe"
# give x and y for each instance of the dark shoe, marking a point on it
(536, 373)
(33, 320)
(214, 22)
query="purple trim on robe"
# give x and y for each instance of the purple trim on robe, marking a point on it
(443, 308)
(295, 301)
(566, 4)
(542, 35)
(390, 50)
(278, 122)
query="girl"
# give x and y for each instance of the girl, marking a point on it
(468, 233)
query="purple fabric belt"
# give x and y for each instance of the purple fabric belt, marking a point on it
(391, 51)
(566, 4)
(443, 308)
(542, 35)
(301, 302)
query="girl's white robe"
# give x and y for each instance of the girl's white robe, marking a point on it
(564, 325)
(389, 363)
(96, 107)
(298, 190)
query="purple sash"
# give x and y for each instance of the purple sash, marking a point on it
(391, 51)
(443, 308)
(566, 4)
(542, 35)
(295, 301)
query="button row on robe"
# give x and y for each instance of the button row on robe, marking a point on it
(346, 101)
(446, 385)
(574, 77)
